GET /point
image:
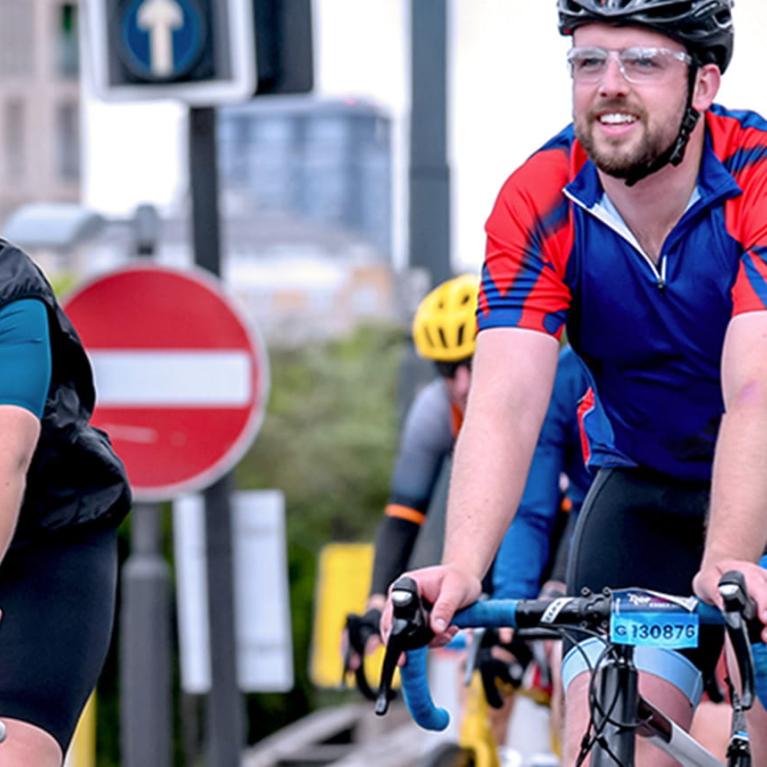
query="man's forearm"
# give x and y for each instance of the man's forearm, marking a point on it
(737, 526)
(485, 488)
(508, 400)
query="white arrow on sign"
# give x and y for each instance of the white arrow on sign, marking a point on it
(159, 18)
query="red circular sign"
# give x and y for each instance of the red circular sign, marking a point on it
(181, 377)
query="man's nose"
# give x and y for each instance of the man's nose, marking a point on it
(613, 80)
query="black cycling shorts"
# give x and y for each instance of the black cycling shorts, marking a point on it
(639, 528)
(57, 596)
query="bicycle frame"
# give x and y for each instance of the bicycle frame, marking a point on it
(618, 690)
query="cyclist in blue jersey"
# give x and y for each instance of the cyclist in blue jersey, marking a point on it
(63, 493)
(642, 228)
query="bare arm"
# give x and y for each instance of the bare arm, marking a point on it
(19, 431)
(737, 530)
(513, 372)
(511, 386)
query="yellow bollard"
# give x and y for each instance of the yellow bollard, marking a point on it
(342, 587)
(82, 750)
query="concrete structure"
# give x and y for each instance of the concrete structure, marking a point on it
(299, 280)
(325, 161)
(39, 102)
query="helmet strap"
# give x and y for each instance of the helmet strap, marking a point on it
(675, 153)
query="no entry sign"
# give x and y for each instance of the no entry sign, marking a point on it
(181, 377)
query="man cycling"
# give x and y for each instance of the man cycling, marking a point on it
(643, 228)
(444, 328)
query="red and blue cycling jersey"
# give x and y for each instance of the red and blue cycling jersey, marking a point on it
(650, 334)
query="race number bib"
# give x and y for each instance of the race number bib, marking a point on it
(651, 619)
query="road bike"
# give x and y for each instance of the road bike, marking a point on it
(622, 619)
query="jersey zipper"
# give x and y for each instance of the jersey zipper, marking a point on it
(658, 270)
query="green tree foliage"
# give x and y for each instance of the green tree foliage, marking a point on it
(328, 442)
(328, 437)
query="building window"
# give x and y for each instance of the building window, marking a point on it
(17, 39)
(67, 48)
(68, 142)
(14, 129)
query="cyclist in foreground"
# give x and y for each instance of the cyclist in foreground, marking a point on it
(642, 227)
(63, 492)
(444, 329)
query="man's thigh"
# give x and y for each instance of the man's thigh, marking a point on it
(663, 694)
(637, 529)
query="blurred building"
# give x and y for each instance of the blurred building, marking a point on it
(39, 102)
(306, 187)
(327, 161)
(299, 280)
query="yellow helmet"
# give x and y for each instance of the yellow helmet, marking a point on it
(444, 325)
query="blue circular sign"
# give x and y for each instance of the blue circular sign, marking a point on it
(162, 39)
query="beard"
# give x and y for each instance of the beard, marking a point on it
(618, 161)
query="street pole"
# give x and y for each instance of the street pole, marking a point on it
(145, 639)
(429, 174)
(429, 214)
(225, 729)
(145, 645)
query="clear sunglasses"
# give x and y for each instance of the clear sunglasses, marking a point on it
(641, 66)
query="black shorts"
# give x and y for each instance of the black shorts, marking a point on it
(639, 528)
(57, 596)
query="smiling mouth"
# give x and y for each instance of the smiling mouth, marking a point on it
(617, 118)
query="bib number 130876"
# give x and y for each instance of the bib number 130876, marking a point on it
(650, 619)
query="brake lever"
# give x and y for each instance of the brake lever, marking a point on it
(410, 630)
(739, 612)
(358, 630)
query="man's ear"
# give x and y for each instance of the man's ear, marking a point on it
(707, 84)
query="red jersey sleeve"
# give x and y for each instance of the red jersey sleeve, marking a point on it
(529, 239)
(743, 149)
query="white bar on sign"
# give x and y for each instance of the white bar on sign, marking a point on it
(141, 378)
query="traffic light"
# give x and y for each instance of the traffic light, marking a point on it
(202, 52)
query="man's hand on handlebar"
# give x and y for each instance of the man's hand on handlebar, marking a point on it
(706, 582)
(446, 588)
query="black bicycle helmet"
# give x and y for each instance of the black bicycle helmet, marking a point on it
(704, 27)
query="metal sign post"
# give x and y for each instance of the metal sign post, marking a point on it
(225, 715)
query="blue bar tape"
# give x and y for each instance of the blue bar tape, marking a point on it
(415, 686)
(490, 613)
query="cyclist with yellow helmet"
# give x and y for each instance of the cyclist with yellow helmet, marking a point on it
(443, 331)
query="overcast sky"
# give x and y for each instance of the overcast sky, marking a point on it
(509, 92)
